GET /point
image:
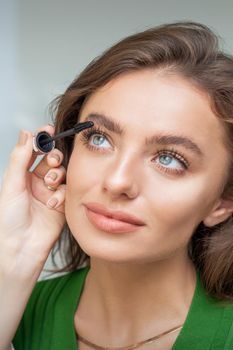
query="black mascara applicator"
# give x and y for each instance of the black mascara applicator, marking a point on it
(43, 142)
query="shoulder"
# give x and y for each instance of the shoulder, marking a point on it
(52, 288)
(221, 320)
(48, 286)
(209, 321)
(51, 304)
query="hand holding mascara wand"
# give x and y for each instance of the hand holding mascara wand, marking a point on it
(43, 142)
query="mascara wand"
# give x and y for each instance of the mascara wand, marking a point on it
(43, 142)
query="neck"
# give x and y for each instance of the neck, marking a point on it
(130, 297)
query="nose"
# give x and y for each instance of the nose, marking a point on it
(122, 178)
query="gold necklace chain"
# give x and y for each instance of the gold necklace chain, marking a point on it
(129, 347)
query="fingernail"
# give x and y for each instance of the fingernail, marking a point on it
(55, 156)
(51, 176)
(23, 136)
(52, 202)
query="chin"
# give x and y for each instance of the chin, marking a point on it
(99, 252)
(110, 252)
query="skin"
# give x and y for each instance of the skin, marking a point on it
(142, 283)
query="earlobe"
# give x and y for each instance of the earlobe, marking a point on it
(221, 212)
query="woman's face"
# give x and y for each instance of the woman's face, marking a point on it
(171, 183)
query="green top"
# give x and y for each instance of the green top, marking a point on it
(48, 321)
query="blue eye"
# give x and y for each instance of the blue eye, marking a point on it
(99, 139)
(167, 160)
(171, 162)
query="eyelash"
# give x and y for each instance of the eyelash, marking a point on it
(86, 135)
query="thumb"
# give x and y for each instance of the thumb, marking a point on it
(14, 180)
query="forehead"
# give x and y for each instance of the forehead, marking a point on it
(148, 101)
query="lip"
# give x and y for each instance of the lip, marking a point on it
(114, 214)
(111, 221)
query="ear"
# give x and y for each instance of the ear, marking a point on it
(221, 212)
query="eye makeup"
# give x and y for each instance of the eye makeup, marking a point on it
(87, 134)
(159, 139)
(161, 153)
(44, 143)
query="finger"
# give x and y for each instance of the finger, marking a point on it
(15, 174)
(57, 199)
(55, 176)
(48, 128)
(51, 160)
(21, 159)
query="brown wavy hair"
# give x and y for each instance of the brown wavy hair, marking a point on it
(188, 49)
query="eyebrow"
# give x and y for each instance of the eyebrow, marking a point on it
(160, 139)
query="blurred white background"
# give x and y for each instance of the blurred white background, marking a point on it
(45, 44)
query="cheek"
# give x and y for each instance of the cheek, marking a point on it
(180, 203)
(172, 208)
(82, 173)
